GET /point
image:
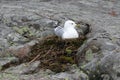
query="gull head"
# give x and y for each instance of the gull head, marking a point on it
(69, 24)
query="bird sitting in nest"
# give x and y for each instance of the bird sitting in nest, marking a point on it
(68, 31)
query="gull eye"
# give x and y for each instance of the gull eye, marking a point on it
(72, 23)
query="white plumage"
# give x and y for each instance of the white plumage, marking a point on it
(68, 31)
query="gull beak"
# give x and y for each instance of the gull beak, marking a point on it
(78, 25)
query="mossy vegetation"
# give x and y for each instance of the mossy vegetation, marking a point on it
(8, 76)
(25, 31)
(56, 54)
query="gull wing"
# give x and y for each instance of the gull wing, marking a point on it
(59, 31)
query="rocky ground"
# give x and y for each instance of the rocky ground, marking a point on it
(24, 22)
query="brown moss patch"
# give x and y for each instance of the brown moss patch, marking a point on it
(56, 54)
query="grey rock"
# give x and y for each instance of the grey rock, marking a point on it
(90, 46)
(48, 23)
(40, 16)
(22, 28)
(22, 51)
(73, 75)
(107, 65)
(16, 39)
(33, 42)
(83, 28)
(47, 33)
(24, 68)
(4, 76)
(108, 46)
(118, 42)
(6, 61)
(104, 61)
(43, 23)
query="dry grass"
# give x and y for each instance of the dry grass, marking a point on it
(56, 54)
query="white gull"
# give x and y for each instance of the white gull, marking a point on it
(68, 31)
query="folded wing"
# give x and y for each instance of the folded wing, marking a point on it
(59, 31)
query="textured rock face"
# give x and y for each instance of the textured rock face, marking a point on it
(23, 21)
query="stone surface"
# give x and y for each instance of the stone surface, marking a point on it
(107, 65)
(75, 74)
(24, 68)
(23, 50)
(7, 60)
(22, 21)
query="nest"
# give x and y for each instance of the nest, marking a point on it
(56, 54)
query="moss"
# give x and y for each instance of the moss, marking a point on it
(10, 76)
(31, 33)
(0, 68)
(66, 59)
(78, 25)
(11, 43)
(20, 31)
(68, 51)
(89, 55)
(24, 30)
